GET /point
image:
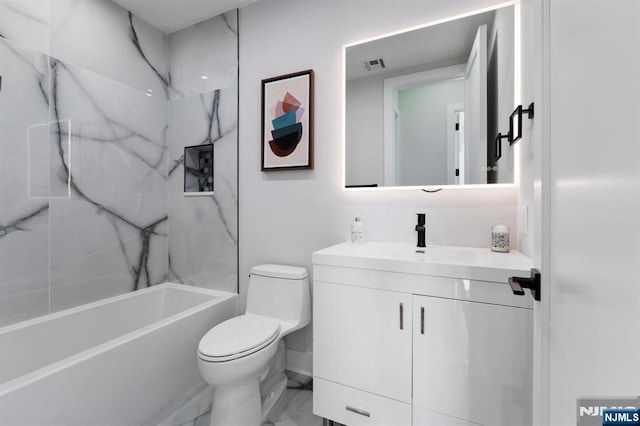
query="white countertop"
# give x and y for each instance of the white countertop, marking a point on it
(456, 262)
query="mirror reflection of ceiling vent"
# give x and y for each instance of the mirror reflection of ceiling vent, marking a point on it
(374, 64)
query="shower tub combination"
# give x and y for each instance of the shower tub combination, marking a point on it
(116, 361)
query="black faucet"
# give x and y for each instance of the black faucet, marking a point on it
(421, 228)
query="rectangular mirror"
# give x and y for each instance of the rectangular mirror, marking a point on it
(423, 107)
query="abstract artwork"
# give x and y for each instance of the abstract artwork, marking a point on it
(287, 122)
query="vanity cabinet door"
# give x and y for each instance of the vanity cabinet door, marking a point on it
(472, 361)
(362, 339)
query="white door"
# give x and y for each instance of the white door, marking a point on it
(589, 318)
(476, 109)
(396, 153)
(459, 149)
(455, 142)
(392, 135)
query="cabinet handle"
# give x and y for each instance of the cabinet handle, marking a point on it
(422, 320)
(358, 411)
(402, 316)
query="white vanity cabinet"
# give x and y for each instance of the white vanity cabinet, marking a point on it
(395, 345)
(364, 339)
(480, 357)
(362, 342)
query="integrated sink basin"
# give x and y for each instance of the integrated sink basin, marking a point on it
(445, 261)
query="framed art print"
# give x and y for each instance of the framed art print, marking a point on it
(287, 122)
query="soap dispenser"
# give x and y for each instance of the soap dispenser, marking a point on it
(357, 231)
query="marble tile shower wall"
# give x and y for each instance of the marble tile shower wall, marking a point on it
(84, 94)
(24, 220)
(203, 231)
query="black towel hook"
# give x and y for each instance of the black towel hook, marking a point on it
(516, 118)
(498, 144)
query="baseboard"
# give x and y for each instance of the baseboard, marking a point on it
(300, 362)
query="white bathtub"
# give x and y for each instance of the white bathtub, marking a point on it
(112, 362)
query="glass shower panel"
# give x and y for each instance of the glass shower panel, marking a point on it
(24, 175)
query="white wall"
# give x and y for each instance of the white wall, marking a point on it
(285, 216)
(532, 156)
(502, 35)
(364, 152)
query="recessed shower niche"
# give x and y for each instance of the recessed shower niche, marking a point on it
(198, 170)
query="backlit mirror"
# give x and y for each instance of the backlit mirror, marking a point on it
(424, 106)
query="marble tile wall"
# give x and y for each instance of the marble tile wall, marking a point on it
(110, 235)
(26, 23)
(24, 220)
(85, 89)
(203, 230)
(204, 57)
(101, 36)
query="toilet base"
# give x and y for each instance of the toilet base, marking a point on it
(249, 402)
(237, 404)
(273, 384)
(241, 404)
(272, 398)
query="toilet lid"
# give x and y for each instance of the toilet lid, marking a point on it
(239, 336)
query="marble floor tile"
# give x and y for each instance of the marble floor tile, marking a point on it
(297, 410)
(295, 407)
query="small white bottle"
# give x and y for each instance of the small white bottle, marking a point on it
(357, 231)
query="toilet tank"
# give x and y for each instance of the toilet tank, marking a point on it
(282, 292)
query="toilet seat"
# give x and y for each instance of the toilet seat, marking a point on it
(238, 337)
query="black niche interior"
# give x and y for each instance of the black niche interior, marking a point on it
(198, 168)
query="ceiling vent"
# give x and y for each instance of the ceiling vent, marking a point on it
(374, 64)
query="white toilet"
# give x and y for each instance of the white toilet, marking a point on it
(236, 355)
